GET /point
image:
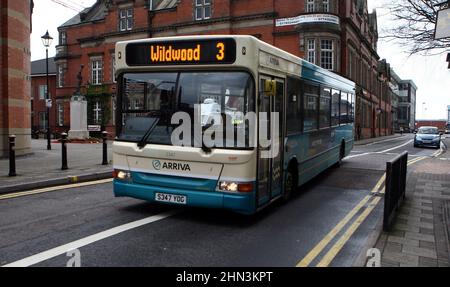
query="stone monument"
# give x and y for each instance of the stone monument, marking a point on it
(78, 113)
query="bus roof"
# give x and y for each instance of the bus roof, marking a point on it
(309, 71)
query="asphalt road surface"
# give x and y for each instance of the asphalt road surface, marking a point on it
(329, 222)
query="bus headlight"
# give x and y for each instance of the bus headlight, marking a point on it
(121, 175)
(227, 186)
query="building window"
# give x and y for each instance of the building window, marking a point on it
(310, 7)
(97, 110)
(126, 19)
(113, 68)
(114, 109)
(312, 51)
(62, 38)
(202, 9)
(326, 54)
(42, 92)
(42, 120)
(96, 71)
(60, 76)
(326, 5)
(60, 115)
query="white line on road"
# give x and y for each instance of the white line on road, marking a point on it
(380, 152)
(43, 256)
(394, 148)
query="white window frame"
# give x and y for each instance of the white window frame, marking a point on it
(42, 92)
(201, 6)
(311, 50)
(113, 109)
(328, 65)
(310, 6)
(126, 19)
(326, 5)
(63, 38)
(60, 114)
(97, 71)
(97, 113)
(113, 68)
(60, 76)
(43, 122)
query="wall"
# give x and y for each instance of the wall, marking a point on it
(14, 74)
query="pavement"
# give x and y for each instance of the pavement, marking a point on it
(420, 235)
(42, 168)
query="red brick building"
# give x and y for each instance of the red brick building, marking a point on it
(15, 28)
(39, 121)
(338, 35)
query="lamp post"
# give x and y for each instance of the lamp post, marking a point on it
(47, 41)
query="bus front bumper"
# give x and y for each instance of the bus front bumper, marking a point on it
(244, 203)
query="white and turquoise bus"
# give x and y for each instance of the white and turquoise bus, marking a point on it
(227, 77)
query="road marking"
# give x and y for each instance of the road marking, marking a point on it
(54, 188)
(380, 152)
(327, 239)
(337, 247)
(388, 140)
(43, 256)
(331, 254)
(394, 148)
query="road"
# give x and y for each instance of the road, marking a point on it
(328, 222)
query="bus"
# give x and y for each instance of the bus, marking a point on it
(302, 123)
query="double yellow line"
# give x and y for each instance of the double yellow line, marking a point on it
(55, 188)
(369, 202)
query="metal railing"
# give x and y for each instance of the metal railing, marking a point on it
(395, 191)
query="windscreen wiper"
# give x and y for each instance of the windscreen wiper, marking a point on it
(143, 142)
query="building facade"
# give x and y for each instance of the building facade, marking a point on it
(340, 36)
(448, 114)
(407, 105)
(15, 28)
(39, 121)
(395, 91)
(440, 124)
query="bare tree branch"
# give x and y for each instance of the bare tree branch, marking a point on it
(415, 22)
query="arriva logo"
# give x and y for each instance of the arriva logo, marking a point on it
(157, 164)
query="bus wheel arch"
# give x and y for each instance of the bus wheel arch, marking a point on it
(291, 179)
(341, 154)
(342, 150)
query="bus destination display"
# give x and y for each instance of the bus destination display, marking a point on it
(217, 51)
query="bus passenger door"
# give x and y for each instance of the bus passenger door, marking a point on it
(270, 168)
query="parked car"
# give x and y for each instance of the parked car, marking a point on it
(428, 136)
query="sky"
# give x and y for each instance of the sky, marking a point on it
(429, 73)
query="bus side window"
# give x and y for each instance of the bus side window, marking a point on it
(325, 108)
(352, 108)
(335, 98)
(344, 118)
(293, 114)
(310, 107)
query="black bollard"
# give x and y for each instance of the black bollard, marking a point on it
(105, 148)
(64, 151)
(12, 155)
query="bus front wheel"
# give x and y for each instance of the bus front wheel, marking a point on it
(290, 184)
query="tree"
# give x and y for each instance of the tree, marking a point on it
(415, 22)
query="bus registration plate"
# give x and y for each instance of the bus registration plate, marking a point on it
(172, 198)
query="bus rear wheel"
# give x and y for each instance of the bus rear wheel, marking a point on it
(341, 155)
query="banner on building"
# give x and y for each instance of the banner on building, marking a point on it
(309, 18)
(443, 25)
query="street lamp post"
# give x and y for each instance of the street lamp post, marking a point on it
(47, 41)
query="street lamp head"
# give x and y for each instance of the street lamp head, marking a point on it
(47, 40)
